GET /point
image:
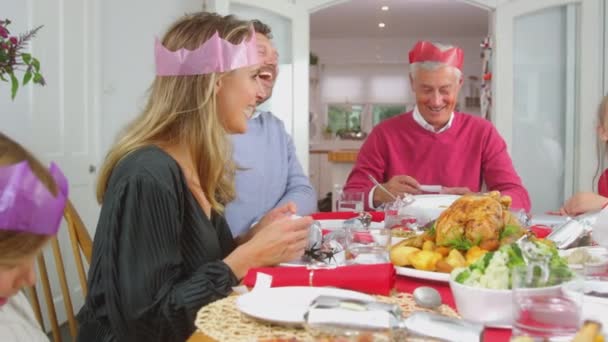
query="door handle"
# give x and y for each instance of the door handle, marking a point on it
(92, 168)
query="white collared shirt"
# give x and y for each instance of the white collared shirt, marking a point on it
(420, 120)
(424, 124)
(257, 113)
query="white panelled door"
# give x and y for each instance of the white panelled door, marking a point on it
(547, 88)
(289, 21)
(61, 125)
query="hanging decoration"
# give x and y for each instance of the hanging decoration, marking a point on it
(486, 78)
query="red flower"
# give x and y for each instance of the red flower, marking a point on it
(3, 32)
(14, 40)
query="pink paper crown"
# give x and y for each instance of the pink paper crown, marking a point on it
(26, 204)
(425, 51)
(214, 55)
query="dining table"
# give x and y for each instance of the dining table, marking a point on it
(409, 284)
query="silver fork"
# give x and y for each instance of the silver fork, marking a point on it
(407, 200)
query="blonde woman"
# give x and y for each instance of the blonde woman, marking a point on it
(162, 248)
(32, 199)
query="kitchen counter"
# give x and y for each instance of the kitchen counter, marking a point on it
(343, 156)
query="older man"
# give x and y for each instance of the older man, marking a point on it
(433, 145)
(271, 175)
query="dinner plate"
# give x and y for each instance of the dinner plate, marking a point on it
(428, 275)
(335, 224)
(426, 208)
(287, 305)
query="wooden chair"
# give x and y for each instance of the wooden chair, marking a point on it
(81, 245)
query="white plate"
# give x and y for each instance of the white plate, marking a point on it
(434, 201)
(287, 305)
(426, 208)
(428, 275)
(334, 224)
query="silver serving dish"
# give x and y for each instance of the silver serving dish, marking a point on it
(575, 232)
(347, 317)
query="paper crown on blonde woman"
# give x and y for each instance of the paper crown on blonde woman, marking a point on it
(214, 55)
(26, 204)
(425, 51)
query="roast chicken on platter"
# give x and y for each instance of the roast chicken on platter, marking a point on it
(477, 220)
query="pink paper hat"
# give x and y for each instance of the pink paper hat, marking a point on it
(26, 205)
(425, 51)
(214, 55)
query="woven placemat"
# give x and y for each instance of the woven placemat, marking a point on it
(222, 321)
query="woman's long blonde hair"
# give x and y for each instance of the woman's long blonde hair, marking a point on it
(15, 245)
(182, 110)
(602, 121)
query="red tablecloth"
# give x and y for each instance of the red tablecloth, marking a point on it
(407, 284)
(377, 216)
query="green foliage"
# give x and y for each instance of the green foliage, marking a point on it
(344, 118)
(13, 59)
(460, 243)
(509, 231)
(382, 112)
(463, 276)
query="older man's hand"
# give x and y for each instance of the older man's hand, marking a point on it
(398, 185)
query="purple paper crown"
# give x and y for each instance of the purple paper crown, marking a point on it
(26, 204)
(214, 55)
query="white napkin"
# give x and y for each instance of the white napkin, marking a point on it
(262, 281)
(368, 319)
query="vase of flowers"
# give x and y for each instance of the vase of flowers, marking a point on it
(14, 60)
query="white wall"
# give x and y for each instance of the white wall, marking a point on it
(127, 62)
(15, 115)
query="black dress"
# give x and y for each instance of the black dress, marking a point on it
(157, 258)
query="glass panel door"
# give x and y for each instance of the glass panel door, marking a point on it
(544, 86)
(546, 92)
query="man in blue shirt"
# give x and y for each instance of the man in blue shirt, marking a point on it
(270, 174)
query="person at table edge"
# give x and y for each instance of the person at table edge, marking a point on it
(433, 144)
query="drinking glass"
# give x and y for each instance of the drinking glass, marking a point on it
(367, 245)
(350, 201)
(547, 306)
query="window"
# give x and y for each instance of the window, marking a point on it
(381, 112)
(342, 117)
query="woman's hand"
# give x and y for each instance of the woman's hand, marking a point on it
(275, 214)
(583, 202)
(286, 210)
(280, 241)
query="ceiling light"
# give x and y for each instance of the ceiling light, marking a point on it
(384, 8)
(381, 25)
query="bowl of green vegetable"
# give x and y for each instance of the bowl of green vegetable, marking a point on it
(482, 291)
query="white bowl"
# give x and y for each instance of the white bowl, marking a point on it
(490, 307)
(486, 306)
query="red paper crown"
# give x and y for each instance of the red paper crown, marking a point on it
(425, 51)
